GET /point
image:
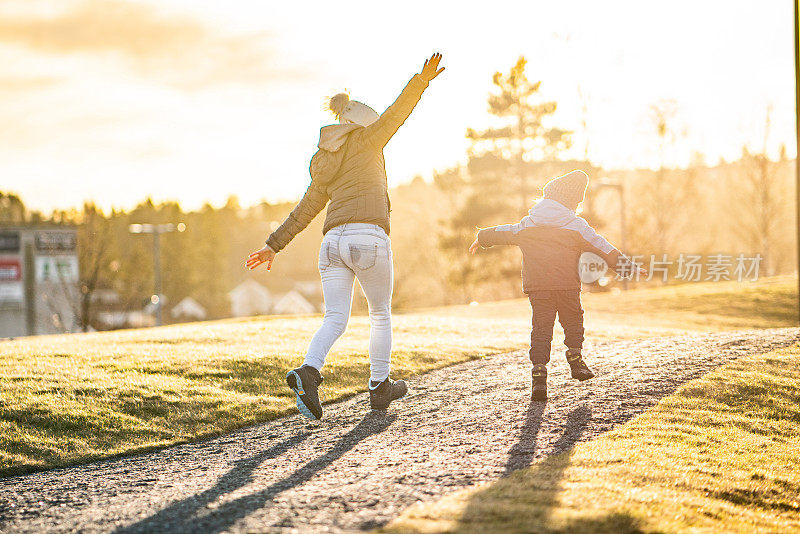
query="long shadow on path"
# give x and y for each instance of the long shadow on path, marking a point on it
(522, 453)
(524, 500)
(192, 515)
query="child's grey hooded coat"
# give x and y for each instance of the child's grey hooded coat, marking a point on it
(552, 238)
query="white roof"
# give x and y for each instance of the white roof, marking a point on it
(249, 286)
(189, 307)
(293, 302)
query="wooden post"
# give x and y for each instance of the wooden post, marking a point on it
(797, 123)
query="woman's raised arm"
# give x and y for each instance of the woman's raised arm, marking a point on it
(379, 132)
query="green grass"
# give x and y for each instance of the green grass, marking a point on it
(71, 399)
(716, 306)
(720, 455)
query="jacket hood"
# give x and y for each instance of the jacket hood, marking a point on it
(549, 212)
(331, 138)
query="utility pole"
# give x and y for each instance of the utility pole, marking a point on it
(156, 230)
(797, 123)
(615, 184)
(157, 275)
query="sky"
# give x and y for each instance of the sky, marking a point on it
(115, 101)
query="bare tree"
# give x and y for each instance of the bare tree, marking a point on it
(94, 237)
(761, 199)
(584, 98)
(668, 192)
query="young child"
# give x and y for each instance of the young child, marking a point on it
(552, 238)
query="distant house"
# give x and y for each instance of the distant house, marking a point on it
(152, 308)
(311, 288)
(189, 309)
(109, 320)
(140, 319)
(293, 303)
(105, 298)
(108, 309)
(250, 298)
(312, 291)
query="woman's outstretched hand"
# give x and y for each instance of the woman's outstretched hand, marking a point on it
(263, 255)
(430, 69)
(473, 248)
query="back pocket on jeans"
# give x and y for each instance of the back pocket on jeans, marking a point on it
(363, 256)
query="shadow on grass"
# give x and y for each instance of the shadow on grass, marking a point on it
(524, 500)
(193, 515)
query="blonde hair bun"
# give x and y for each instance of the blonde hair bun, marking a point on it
(338, 103)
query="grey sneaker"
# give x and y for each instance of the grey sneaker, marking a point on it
(539, 375)
(305, 382)
(383, 393)
(579, 368)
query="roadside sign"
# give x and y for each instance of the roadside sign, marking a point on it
(57, 269)
(55, 241)
(39, 280)
(9, 241)
(11, 292)
(10, 271)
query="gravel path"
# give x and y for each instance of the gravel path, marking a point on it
(357, 470)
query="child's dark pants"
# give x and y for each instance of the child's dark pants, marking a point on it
(545, 305)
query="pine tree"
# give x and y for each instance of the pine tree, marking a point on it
(524, 138)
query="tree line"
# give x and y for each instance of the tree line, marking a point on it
(739, 206)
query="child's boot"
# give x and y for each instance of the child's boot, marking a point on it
(579, 368)
(539, 374)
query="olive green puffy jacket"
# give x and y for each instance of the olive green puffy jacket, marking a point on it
(349, 171)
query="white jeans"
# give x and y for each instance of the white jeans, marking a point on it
(350, 251)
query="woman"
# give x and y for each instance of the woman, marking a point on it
(348, 171)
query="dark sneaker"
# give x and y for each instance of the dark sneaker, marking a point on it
(579, 368)
(539, 374)
(383, 393)
(305, 382)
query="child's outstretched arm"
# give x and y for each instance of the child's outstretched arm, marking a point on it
(596, 243)
(504, 234)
